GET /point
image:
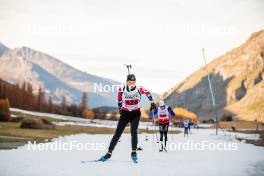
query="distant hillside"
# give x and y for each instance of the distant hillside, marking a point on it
(59, 79)
(237, 81)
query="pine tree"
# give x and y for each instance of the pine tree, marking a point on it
(40, 102)
(1, 89)
(50, 105)
(84, 103)
(63, 105)
(75, 110)
(5, 91)
(30, 97)
(4, 110)
(24, 96)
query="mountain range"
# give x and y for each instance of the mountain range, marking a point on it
(56, 77)
(237, 80)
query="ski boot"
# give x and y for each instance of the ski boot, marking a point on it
(105, 157)
(165, 147)
(134, 156)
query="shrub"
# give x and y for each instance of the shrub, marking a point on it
(31, 123)
(233, 128)
(16, 119)
(88, 114)
(114, 115)
(36, 123)
(212, 121)
(47, 122)
(226, 117)
(182, 113)
(4, 110)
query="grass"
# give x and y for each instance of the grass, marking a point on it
(240, 125)
(247, 127)
(11, 135)
(259, 142)
(13, 129)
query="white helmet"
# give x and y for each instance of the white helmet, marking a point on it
(161, 103)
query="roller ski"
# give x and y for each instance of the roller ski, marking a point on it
(163, 148)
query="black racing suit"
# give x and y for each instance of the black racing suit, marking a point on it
(125, 118)
(163, 129)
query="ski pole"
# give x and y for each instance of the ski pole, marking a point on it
(153, 117)
(172, 136)
(153, 138)
(212, 93)
(217, 125)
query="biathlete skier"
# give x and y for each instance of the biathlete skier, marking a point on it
(186, 126)
(129, 98)
(164, 114)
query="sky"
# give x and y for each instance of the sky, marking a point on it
(162, 39)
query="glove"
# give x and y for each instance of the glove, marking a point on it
(153, 106)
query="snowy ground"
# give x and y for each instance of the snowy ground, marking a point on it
(237, 158)
(55, 116)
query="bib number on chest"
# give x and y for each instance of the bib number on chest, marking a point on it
(131, 102)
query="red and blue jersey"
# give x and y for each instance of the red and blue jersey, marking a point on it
(164, 114)
(186, 123)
